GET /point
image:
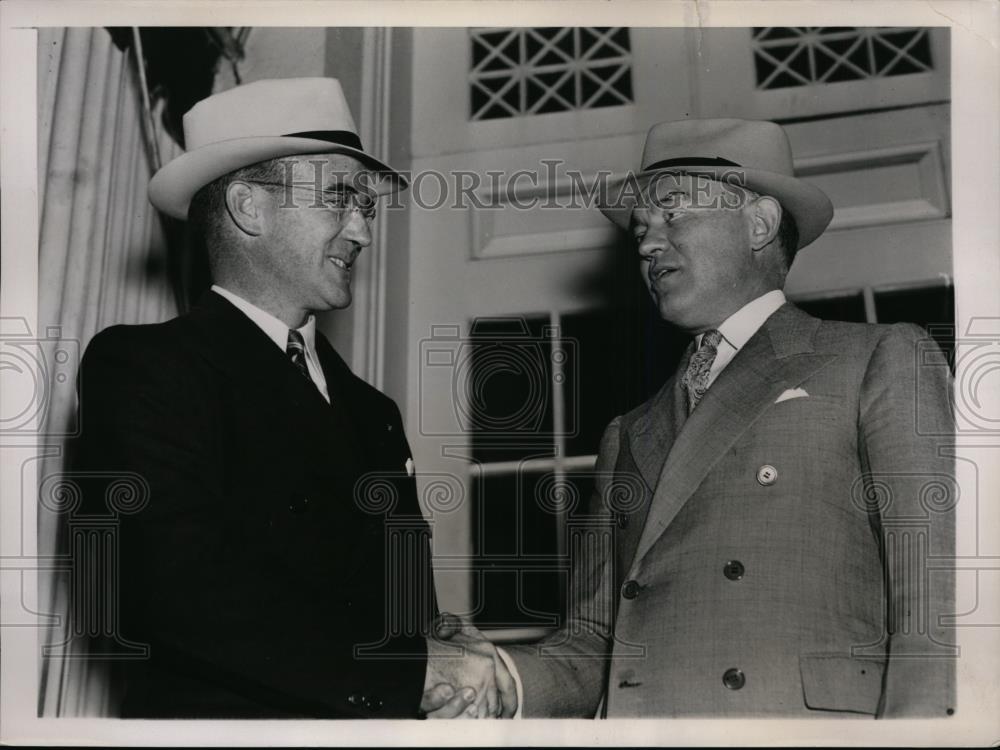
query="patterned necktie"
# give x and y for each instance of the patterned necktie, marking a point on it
(695, 380)
(296, 351)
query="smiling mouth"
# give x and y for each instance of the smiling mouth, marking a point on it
(661, 273)
(340, 263)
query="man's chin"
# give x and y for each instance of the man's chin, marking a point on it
(679, 319)
(340, 299)
(669, 312)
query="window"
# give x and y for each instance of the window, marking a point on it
(539, 391)
(785, 57)
(529, 71)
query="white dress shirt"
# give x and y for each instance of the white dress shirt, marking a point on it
(736, 331)
(278, 333)
(740, 327)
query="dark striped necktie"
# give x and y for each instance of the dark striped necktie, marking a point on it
(296, 351)
(695, 380)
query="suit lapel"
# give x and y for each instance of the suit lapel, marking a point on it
(266, 380)
(654, 432)
(779, 356)
(349, 401)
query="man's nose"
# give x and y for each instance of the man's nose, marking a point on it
(651, 244)
(357, 229)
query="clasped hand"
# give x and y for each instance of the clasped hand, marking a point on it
(466, 677)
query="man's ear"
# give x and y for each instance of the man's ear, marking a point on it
(765, 218)
(244, 209)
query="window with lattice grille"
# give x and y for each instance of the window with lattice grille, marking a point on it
(803, 56)
(534, 71)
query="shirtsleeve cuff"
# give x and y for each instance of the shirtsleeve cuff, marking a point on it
(512, 668)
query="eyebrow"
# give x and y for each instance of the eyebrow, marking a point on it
(338, 186)
(671, 193)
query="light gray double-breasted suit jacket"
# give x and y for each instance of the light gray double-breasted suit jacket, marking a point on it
(782, 551)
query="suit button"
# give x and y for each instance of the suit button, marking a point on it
(297, 503)
(631, 589)
(373, 703)
(767, 475)
(734, 679)
(733, 570)
(356, 699)
(622, 520)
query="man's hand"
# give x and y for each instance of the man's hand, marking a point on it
(497, 696)
(444, 702)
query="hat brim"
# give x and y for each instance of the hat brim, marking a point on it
(808, 205)
(174, 185)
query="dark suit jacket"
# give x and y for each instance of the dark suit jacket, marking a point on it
(259, 570)
(769, 555)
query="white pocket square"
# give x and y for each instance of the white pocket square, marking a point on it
(409, 467)
(791, 393)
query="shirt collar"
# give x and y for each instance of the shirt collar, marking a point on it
(270, 325)
(739, 327)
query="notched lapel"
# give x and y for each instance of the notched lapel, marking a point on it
(351, 401)
(263, 379)
(653, 433)
(779, 356)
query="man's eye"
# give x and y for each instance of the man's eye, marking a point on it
(338, 200)
(364, 201)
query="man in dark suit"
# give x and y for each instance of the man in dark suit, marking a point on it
(280, 566)
(777, 531)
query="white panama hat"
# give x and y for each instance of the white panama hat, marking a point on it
(259, 121)
(752, 153)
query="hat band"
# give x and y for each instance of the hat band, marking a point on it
(693, 161)
(340, 137)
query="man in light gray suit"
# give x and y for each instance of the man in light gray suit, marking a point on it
(783, 545)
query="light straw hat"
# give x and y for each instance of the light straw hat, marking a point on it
(752, 153)
(260, 121)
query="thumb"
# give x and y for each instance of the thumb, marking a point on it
(436, 697)
(447, 626)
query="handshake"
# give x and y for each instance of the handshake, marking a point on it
(466, 676)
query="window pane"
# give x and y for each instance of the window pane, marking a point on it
(519, 579)
(932, 307)
(623, 356)
(785, 57)
(504, 388)
(535, 71)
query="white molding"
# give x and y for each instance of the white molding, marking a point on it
(596, 234)
(925, 157)
(487, 247)
(537, 234)
(368, 358)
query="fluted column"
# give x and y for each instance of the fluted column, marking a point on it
(102, 260)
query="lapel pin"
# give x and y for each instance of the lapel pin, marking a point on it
(409, 467)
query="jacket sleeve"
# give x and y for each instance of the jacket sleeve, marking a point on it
(906, 437)
(565, 674)
(198, 594)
